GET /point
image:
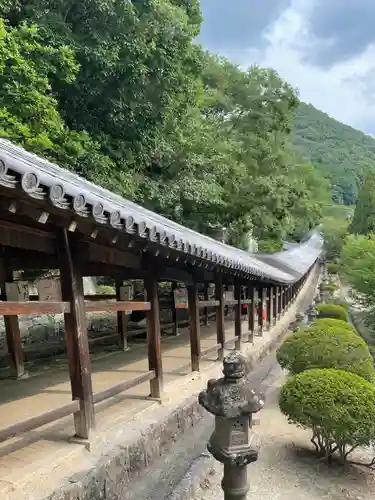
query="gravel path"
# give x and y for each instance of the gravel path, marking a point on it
(286, 469)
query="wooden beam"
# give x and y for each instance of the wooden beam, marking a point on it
(95, 252)
(76, 335)
(167, 273)
(153, 336)
(26, 238)
(237, 315)
(12, 328)
(33, 308)
(123, 386)
(121, 320)
(98, 306)
(195, 345)
(220, 325)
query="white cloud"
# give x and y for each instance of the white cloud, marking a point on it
(341, 91)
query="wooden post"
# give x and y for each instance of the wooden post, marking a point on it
(12, 329)
(237, 315)
(251, 308)
(269, 306)
(195, 341)
(174, 310)
(205, 312)
(121, 320)
(262, 305)
(76, 335)
(153, 336)
(276, 303)
(220, 326)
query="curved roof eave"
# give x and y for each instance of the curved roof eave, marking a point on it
(45, 181)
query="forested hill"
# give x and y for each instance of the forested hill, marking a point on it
(340, 152)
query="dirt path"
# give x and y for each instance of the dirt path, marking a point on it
(287, 469)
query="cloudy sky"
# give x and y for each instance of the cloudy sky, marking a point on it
(326, 48)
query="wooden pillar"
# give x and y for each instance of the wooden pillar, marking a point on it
(270, 306)
(251, 309)
(237, 315)
(220, 326)
(121, 320)
(262, 306)
(12, 329)
(76, 334)
(174, 310)
(277, 303)
(205, 312)
(195, 341)
(153, 336)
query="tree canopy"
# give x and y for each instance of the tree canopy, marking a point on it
(120, 93)
(339, 152)
(364, 214)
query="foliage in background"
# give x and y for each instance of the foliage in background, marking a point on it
(326, 347)
(358, 265)
(339, 408)
(364, 214)
(332, 311)
(338, 151)
(335, 224)
(120, 93)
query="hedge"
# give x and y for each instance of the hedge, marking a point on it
(332, 311)
(339, 408)
(326, 347)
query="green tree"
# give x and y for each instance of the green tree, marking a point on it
(358, 265)
(364, 214)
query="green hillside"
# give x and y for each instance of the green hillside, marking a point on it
(341, 152)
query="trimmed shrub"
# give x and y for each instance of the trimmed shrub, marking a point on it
(339, 408)
(326, 347)
(333, 268)
(332, 311)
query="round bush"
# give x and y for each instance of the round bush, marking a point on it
(339, 407)
(332, 311)
(326, 347)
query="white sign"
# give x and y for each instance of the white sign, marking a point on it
(228, 296)
(127, 292)
(17, 291)
(49, 290)
(181, 298)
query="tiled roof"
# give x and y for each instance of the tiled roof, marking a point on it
(46, 182)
